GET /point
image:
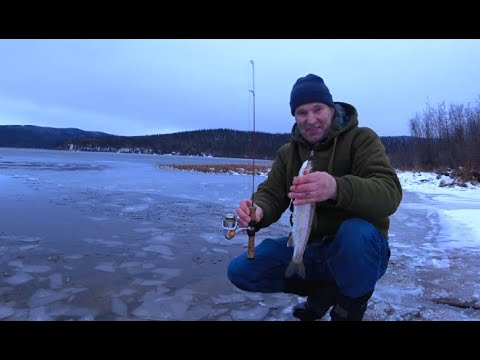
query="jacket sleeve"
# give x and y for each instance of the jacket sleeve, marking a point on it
(272, 193)
(372, 190)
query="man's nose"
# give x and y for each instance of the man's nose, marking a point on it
(311, 117)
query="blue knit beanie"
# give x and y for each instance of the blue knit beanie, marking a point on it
(310, 88)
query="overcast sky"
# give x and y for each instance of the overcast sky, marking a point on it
(141, 87)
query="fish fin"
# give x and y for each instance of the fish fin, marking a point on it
(313, 222)
(290, 242)
(294, 268)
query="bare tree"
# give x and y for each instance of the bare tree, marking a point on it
(448, 138)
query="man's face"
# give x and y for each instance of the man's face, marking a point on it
(314, 120)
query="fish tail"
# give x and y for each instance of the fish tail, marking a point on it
(295, 268)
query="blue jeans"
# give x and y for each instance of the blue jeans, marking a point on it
(355, 260)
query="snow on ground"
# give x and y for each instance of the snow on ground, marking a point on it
(430, 182)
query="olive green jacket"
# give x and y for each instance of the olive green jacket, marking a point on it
(367, 185)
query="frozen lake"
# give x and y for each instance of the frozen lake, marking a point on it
(107, 236)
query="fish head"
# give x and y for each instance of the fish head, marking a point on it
(306, 168)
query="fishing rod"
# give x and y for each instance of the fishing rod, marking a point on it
(229, 222)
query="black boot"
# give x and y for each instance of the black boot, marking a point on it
(317, 303)
(350, 309)
(299, 286)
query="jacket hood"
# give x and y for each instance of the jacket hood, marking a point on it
(345, 118)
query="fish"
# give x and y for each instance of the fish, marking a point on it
(302, 225)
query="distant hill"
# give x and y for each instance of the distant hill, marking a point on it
(29, 136)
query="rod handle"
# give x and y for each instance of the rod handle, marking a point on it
(251, 234)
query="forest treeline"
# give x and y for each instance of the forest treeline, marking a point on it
(442, 138)
(217, 142)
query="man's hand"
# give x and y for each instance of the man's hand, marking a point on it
(243, 213)
(314, 187)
